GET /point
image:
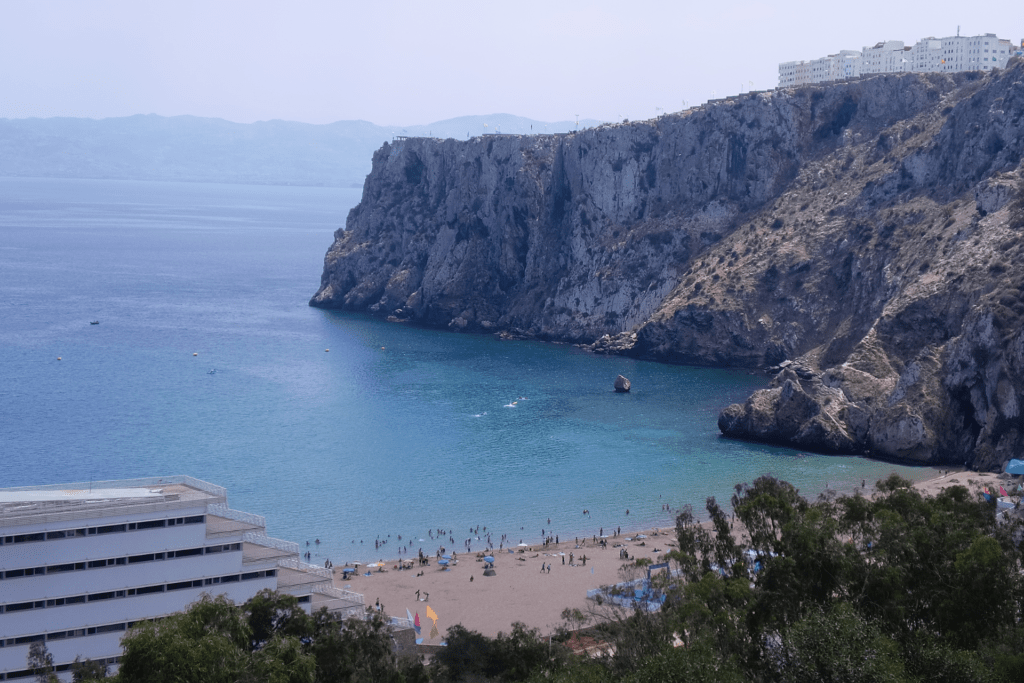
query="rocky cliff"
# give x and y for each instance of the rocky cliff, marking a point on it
(858, 238)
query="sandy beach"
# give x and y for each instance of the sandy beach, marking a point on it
(520, 591)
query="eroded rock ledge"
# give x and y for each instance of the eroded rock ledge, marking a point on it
(868, 231)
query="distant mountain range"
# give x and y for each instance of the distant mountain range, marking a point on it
(190, 148)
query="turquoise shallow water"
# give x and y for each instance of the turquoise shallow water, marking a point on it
(395, 430)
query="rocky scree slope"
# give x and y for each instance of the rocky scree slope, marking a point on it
(860, 238)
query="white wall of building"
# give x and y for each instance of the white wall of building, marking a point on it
(93, 571)
(928, 55)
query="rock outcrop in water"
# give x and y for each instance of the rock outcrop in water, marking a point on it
(863, 235)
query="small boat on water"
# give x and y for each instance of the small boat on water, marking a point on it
(95, 322)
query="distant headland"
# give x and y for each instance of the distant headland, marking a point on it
(195, 149)
(857, 238)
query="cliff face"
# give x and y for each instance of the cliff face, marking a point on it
(862, 234)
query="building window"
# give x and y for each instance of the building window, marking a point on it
(152, 524)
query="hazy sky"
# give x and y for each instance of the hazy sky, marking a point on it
(405, 62)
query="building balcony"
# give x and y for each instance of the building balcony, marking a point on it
(295, 576)
(222, 521)
(345, 603)
(259, 548)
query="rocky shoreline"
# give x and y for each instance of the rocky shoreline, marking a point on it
(858, 238)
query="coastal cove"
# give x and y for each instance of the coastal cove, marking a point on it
(207, 361)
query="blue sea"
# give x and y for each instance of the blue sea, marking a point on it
(335, 426)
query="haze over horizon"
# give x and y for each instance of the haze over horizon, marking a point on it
(410, 63)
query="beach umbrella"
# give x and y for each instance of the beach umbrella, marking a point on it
(446, 557)
(346, 570)
(442, 561)
(522, 545)
(1015, 467)
(488, 558)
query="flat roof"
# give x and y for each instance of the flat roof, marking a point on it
(62, 502)
(77, 494)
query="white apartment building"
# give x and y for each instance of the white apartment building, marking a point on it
(889, 56)
(80, 563)
(975, 53)
(928, 55)
(844, 64)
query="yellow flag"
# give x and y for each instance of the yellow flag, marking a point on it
(432, 614)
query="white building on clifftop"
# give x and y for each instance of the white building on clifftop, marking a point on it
(80, 563)
(928, 55)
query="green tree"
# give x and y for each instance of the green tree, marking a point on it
(1004, 654)
(723, 549)
(765, 508)
(930, 659)
(578, 670)
(698, 663)
(270, 613)
(521, 653)
(269, 638)
(88, 670)
(467, 654)
(715, 611)
(574, 619)
(208, 643)
(693, 553)
(366, 649)
(40, 663)
(281, 659)
(934, 576)
(837, 646)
